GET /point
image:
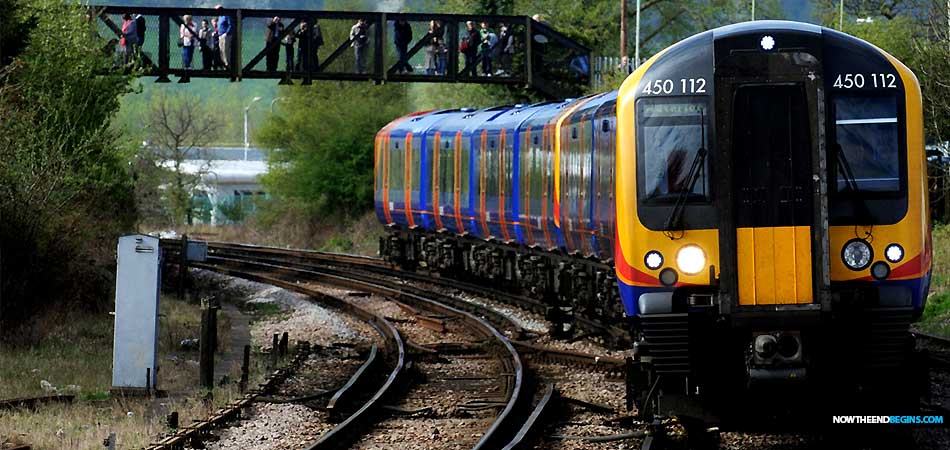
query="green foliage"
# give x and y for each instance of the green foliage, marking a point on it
(323, 136)
(936, 317)
(893, 36)
(233, 210)
(64, 186)
(338, 244)
(596, 23)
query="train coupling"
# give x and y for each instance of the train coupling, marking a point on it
(776, 356)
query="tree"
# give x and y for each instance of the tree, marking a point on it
(932, 55)
(177, 126)
(64, 186)
(13, 30)
(829, 10)
(323, 145)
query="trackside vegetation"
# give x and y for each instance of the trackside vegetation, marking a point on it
(65, 191)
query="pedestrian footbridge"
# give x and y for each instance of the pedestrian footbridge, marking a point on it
(302, 46)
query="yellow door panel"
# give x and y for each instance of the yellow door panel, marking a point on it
(803, 266)
(774, 265)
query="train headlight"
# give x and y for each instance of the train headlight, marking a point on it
(653, 260)
(880, 270)
(668, 277)
(691, 259)
(857, 254)
(894, 253)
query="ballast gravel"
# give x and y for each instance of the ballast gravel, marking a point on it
(271, 427)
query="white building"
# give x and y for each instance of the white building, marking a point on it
(230, 175)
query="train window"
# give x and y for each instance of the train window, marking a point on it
(605, 126)
(867, 152)
(671, 133)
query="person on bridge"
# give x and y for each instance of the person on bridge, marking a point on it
(129, 40)
(206, 40)
(359, 40)
(140, 29)
(186, 32)
(224, 38)
(433, 52)
(469, 48)
(309, 45)
(489, 42)
(216, 62)
(506, 50)
(402, 37)
(289, 40)
(274, 29)
(437, 33)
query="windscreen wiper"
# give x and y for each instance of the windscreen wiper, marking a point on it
(695, 169)
(861, 208)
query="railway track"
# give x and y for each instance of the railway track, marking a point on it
(358, 412)
(516, 420)
(370, 270)
(612, 336)
(363, 275)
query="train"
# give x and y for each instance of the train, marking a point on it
(751, 207)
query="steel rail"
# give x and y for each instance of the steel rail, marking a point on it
(505, 424)
(344, 433)
(612, 367)
(382, 267)
(379, 266)
(232, 411)
(494, 316)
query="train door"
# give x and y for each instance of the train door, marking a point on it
(772, 168)
(773, 238)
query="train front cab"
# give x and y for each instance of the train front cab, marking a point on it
(772, 220)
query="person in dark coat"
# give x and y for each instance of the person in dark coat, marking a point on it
(469, 48)
(309, 46)
(402, 37)
(140, 29)
(207, 45)
(274, 28)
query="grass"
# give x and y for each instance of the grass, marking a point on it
(265, 310)
(359, 236)
(936, 317)
(76, 349)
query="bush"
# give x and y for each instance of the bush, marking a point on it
(65, 192)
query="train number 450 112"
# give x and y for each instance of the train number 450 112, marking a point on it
(859, 81)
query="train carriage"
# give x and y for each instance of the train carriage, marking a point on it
(751, 206)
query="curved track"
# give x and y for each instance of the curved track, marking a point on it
(277, 267)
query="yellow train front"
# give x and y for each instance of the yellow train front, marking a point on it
(772, 224)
